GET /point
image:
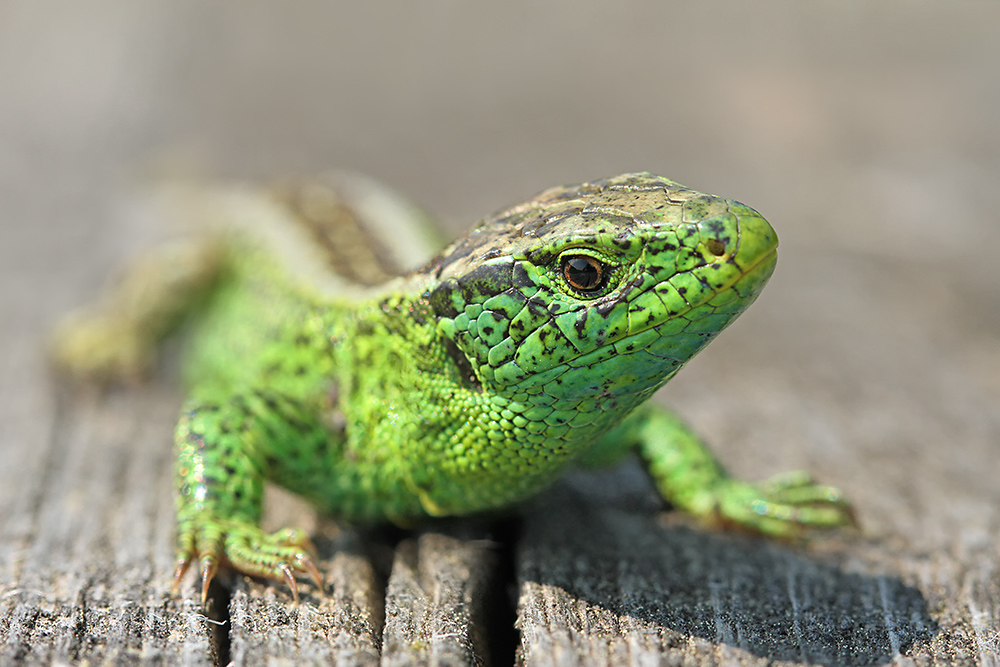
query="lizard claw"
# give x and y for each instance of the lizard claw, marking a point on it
(280, 556)
(290, 580)
(183, 563)
(305, 564)
(209, 566)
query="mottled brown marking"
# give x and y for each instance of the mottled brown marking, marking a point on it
(352, 250)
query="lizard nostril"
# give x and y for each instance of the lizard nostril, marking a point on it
(716, 247)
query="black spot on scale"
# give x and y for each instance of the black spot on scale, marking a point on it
(494, 315)
(581, 323)
(539, 257)
(624, 240)
(629, 288)
(486, 280)
(714, 226)
(605, 307)
(440, 299)
(519, 276)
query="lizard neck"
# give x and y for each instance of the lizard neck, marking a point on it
(407, 390)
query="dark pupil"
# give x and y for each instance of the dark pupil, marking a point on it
(583, 273)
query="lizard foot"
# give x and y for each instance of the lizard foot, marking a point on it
(784, 505)
(280, 556)
(102, 349)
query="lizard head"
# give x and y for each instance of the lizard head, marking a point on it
(599, 290)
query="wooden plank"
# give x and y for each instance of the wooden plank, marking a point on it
(603, 582)
(438, 602)
(86, 546)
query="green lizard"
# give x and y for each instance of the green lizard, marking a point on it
(470, 383)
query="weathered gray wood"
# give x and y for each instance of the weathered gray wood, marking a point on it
(437, 602)
(86, 545)
(605, 583)
(435, 608)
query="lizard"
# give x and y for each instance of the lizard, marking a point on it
(382, 392)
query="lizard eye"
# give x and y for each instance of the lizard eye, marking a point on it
(584, 273)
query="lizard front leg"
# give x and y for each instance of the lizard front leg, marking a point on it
(225, 451)
(690, 478)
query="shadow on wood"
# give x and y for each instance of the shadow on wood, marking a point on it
(610, 582)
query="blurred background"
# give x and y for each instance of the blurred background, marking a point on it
(871, 126)
(868, 133)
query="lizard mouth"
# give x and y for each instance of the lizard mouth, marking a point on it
(755, 276)
(770, 257)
